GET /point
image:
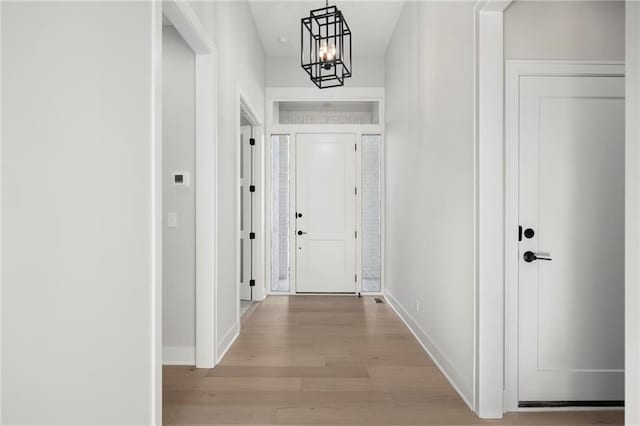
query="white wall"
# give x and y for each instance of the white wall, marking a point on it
(76, 213)
(178, 146)
(285, 71)
(632, 294)
(430, 186)
(577, 30)
(241, 69)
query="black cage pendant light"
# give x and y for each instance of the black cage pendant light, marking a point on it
(325, 50)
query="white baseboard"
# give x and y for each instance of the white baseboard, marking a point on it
(227, 340)
(438, 357)
(178, 355)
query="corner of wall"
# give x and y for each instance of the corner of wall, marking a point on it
(463, 387)
(227, 340)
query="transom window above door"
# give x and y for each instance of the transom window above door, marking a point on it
(326, 112)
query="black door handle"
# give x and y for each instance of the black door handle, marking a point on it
(530, 256)
(301, 232)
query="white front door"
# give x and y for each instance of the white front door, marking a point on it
(326, 213)
(571, 253)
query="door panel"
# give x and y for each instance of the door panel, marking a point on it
(571, 323)
(325, 196)
(245, 212)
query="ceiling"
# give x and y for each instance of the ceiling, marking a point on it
(371, 23)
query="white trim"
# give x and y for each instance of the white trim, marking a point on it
(632, 214)
(275, 94)
(367, 294)
(489, 209)
(186, 22)
(445, 366)
(260, 290)
(178, 355)
(514, 70)
(156, 214)
(152, 343)
(206, 210)
(229, 338)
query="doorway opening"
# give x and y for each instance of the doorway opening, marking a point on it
(249, 211)
(185, 176)
(326, 193)
(178, 198)
(564, 306)
(332, 223)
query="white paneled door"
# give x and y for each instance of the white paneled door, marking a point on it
(325, 213)
(571, 252)
(246, 213)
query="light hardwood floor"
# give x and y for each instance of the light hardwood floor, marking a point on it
(330, 360)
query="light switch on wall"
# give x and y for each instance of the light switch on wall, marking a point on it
(172, 220)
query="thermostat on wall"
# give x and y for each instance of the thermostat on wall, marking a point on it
(181, 178)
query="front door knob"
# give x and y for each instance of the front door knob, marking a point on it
(301, 232)
(530, 256)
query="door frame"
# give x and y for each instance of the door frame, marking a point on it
(489, 224)
(278, 94)
(632, 213)
(514, 70)
(187, 24)
(242, 103)
(489, 209)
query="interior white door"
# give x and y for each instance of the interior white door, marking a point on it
(571, 210)
(246, 215)
(326, 210)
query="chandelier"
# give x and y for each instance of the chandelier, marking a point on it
(325, 48)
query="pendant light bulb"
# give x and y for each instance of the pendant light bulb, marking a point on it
(327, 54)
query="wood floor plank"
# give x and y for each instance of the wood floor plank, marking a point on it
(327, 360)
(233, 383)
(273, 398)
(243, 371)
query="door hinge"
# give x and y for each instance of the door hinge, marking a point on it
(356, 277)
(252, 283)
(356, 146)
(252, 235)
(356, 190)
(519, 233)
(356, 233)
(252, 141)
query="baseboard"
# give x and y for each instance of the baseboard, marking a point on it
(178, 355)
(227, 340)
(438, 357)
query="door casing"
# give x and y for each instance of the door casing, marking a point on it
(514, 70)
(246, 213)
(277, 94)
(242, 104)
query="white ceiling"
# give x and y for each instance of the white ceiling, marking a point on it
(371, 23)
